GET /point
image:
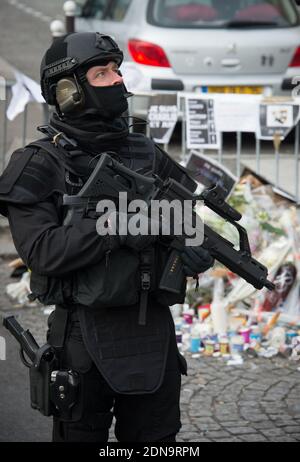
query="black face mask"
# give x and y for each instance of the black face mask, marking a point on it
(110, 102)
(91, 131)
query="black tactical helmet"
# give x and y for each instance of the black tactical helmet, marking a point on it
(71, 55)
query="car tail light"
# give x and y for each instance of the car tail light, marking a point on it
(296, 59)
(148, 53)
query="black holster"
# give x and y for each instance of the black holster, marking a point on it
(40, 377)
(54, 391)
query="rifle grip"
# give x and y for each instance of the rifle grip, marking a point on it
(173, 275)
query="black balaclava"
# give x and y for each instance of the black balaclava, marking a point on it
(99, 123)
(91, 132)
(109, 102)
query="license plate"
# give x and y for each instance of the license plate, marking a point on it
(241, 90)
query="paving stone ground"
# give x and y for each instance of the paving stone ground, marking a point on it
(257, 401)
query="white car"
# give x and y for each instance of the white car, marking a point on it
(231, 46)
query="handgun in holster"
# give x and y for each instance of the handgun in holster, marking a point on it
(52, 391)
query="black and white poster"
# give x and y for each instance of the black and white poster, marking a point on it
(201, 123)
(162, 117)
(276, 120)
(209, 172)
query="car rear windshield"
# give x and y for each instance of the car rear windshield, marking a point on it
(113, 10)
(223, 13)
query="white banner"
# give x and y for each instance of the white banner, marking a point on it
(24, 91)
(208, 115)
(237, 113)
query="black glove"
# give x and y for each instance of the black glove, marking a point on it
(196, 260)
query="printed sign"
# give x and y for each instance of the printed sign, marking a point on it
(277, 120)
(201, 124)
(209, 172)
(162, 117)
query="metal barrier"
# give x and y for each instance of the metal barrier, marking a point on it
(222, 156)
(20, 128)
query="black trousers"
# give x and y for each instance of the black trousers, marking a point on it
(139, 418)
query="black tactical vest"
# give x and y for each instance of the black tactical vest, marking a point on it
(130, 356)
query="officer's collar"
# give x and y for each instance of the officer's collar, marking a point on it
(91, 133)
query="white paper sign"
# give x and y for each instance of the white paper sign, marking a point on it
(237, 113)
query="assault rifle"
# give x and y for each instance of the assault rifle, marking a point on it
(109, 178)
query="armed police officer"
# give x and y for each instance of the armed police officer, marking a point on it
(100, 285)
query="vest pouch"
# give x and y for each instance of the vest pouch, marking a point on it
(50, 290)
(164, 297)
(114, 281)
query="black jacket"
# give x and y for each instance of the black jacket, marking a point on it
(132, 358)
